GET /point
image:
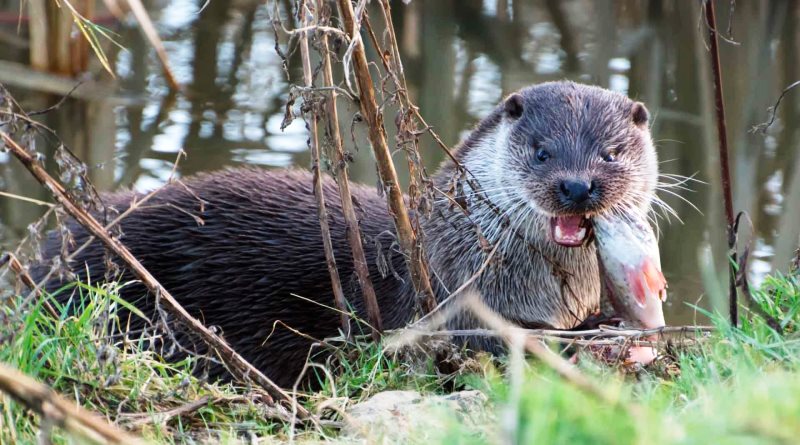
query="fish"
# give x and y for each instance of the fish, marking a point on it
(630, 268)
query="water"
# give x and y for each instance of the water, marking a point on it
(461, 57)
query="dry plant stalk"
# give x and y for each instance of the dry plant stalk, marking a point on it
(561, 366)
(22, 274)
(407, 138)
(162, 417)
(240, 368)
(596, 337)
(402, 90)
(44, 401)
(722, 133)
(377, 134)
(343, 182)
(319, 194)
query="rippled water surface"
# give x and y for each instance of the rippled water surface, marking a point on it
(461, 57)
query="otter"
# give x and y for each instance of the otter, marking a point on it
(241, 248)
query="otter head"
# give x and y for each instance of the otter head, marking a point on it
(575, 151)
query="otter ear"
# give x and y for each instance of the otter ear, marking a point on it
(639, 114)
(513, 106)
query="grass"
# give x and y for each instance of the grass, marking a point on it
(738, 386)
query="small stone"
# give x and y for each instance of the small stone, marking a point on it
(401, 416)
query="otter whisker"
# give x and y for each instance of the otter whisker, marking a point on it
(666, 209)
(664, 186)
(658, 203)
(677, 195)
(681, 179)
(691, 177)
(658, 141)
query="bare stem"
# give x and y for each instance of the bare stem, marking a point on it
(711, 22)
(22, 274)
(47, 403)
(420, 278)
(319, 193)
(560, 365)
(342, 180)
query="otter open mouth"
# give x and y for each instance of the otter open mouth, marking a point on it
(570, 231)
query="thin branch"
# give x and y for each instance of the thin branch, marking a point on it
(377, 133)
(58, 104)
(44, 401)
(343, 182)
(460, 289)
(19, 270)
(589, 336)
(762, 127)
(722, 133)
(161, 417)
(319, 193)
(561, 366)
(27, 199)
(236, 364)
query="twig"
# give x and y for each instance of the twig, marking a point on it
(58, 104)
(377, 134)
(26, 199)
(762, 127)
(722, 131)
(605, 335)
(561, 366)
(236, 364)
(602, 332)
(742, 280)
(461, 288)
(162, 417)
(335, 88)
(55, 409)
(134, 205)
(401, 84)
(583, 338)
(19, 270)
(343, 182)
(319, 192)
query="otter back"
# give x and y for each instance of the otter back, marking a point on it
(237, 247)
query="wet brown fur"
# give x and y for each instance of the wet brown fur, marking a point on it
(257, 241)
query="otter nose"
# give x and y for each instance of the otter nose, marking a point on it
(576, 191)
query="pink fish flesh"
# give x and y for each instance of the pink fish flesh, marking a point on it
(631, 272)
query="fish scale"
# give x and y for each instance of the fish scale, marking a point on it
(630, 268)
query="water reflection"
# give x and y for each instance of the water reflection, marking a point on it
(460, 57)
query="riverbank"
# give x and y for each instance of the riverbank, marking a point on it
(732, 386)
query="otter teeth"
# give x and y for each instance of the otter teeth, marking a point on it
(576, 237)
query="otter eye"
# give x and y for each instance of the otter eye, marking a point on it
(542, 155)
(610, 156)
